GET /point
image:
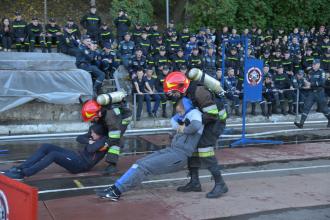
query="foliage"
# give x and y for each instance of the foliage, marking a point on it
(138, 10)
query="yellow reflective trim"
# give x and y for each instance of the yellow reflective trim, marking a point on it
(114, 134)
(114, 150)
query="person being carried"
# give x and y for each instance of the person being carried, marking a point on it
(94, 150)
(188, 124)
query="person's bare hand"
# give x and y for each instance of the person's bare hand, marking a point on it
(180, 128)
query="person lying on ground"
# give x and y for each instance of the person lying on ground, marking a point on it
(75, 162)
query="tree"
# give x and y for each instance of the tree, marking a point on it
(214, 13)
(138, 10)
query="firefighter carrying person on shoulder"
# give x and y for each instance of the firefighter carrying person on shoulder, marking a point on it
(209, 101)
(111, 111)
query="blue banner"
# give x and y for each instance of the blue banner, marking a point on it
(253, 78)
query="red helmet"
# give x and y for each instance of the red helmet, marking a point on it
(176, 81)
(90, 110)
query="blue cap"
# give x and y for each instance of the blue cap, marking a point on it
(315, 61)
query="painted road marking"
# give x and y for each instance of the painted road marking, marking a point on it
(78, 184)
(185, 178)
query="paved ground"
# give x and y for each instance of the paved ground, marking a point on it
(272, 187)
(266, 182)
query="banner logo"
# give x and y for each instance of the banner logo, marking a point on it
(254, 76)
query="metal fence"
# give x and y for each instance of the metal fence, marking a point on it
(159, 93)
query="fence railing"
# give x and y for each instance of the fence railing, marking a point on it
(275, 90)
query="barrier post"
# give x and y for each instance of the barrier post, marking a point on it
(17, 200)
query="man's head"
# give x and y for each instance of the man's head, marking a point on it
(86, 40)
(127, 37)
(52, 22)
(233, 50)
(139, 73)
(138, 52)
(300, 74)
(180, 52)
(195, 51)
(266, 69)
(93, 9)
(149, 72)
(316, 64)
(18, 16)
(121, 12)
(35, 21)
(287, 54)
(280, 69)
(231, 72)
(162, 51)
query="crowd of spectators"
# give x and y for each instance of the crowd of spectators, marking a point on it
(149, 54)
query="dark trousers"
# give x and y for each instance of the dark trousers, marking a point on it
(19, 43)
(95, 71)
(147, 98)
(319, 98)
(36, 39)
(54, 40)
(7, 42)
(48, 154)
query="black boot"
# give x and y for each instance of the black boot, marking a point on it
(283, 111)
(194, 185)
(302, 121)
(164, 114)
(263, 109)
(269, 109)
(291, 112)
(328, 117)
(220, 186)
(237, 111)
(253, 108)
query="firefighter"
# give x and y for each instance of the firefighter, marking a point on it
(316, 94)
(300, 82)
(268, 94)
(36, 35)
(195, 60)
(105, 35)
(69, 42)
(138, 61)
(307, 60)
(136, 32)
(20, 33)
(74, 29)
(115, 117)
(178, 60)
(154, 33)
(53, 33)
(109, 62)
(283, 92)
(159, 87)
(144, 43)
(185, 35)
(188, 123)
(126, 49)
(209, 62)
(122, 23)
(231, 87)
(214, 117)
(161, 59)
(92, 23)
(84, 60)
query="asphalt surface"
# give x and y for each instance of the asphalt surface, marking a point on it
(311, 205)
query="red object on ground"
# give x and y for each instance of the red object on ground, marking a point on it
(18, 201)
